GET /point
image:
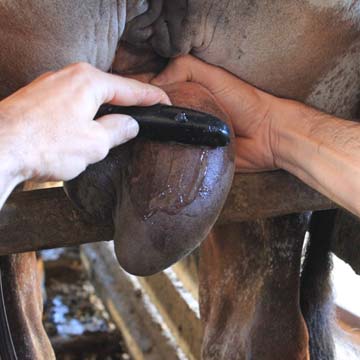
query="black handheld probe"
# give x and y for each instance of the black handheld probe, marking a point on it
(171, 123)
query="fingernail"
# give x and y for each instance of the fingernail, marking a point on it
(166, 101)
(132, 127)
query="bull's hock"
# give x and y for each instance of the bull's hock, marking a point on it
(41, 219)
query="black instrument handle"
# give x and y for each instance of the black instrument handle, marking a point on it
(171, 123)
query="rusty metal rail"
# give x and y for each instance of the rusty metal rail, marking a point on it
(269, 194)
(42, 219)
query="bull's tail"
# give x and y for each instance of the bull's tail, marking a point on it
(315, 292)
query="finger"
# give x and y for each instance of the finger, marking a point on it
(119, 128)
(117, 90)
(179, 70)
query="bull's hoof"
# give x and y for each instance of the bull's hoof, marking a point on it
(163, 198)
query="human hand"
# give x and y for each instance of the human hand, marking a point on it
(250, 110)
(47, 127)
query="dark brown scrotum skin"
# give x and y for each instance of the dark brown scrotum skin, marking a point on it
(164, 198)
(172, 194)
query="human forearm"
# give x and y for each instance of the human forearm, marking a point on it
(11, 173)
(8, 182)
(14, 155)
(322, 150)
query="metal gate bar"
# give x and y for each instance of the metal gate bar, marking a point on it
(43, 219)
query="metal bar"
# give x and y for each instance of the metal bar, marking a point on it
(270, 194)
(43, 219)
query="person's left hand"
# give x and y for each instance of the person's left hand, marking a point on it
(253, 113)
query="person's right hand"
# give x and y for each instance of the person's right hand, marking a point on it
(47, 130)
(250, 110)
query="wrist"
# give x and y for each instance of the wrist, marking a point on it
(289, 132)
(10, 174)
(12, 152)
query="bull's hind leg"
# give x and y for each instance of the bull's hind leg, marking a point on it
(316, 294)
(23, 305)
(249, 290)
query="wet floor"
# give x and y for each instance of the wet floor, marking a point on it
(75, 319)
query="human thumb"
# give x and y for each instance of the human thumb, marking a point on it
(178, 70)
(119, 128)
